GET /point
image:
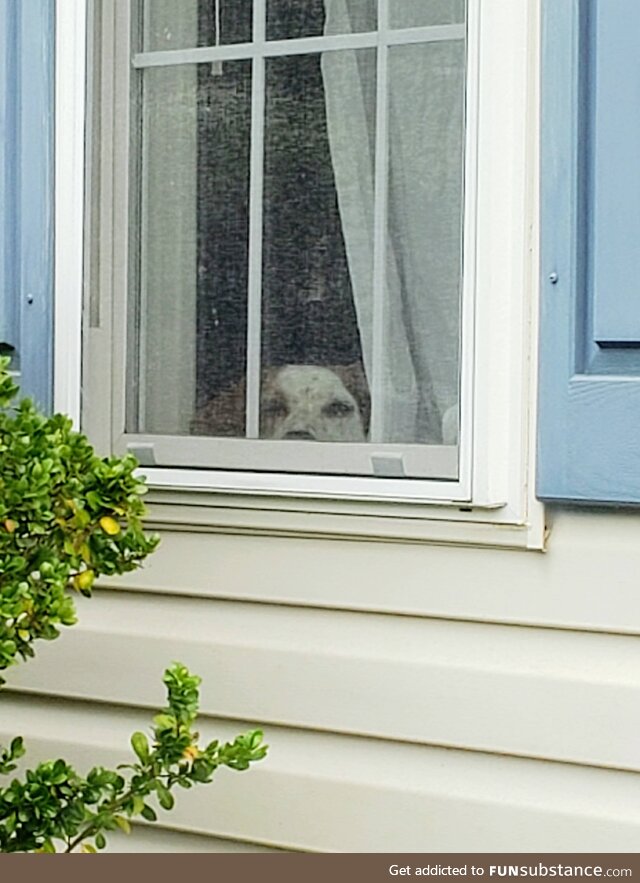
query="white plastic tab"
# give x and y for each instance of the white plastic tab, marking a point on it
(144, 453)
(388, 465)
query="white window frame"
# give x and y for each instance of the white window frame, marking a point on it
(497, 506)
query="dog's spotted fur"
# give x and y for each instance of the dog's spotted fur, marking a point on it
(304, 402)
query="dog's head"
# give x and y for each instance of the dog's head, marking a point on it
(311, 403)
(304, 402)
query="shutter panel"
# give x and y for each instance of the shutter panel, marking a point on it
(589, 440)
(26, 182)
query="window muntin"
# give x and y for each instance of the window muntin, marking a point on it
(370, 331)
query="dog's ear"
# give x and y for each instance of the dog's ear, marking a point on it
(268, 380)
(223, 415)
(355, 380)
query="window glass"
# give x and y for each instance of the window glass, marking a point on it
(297, 238)
(419, 356)
(187, 24)
(287, 20)
(190, 243)
(309, 319)
(426, 13)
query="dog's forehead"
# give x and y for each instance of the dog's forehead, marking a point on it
(310, 381)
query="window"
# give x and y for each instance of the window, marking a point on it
(296, 234)
(310, 263)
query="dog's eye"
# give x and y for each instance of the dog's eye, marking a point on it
(337, 408)
(274, 408)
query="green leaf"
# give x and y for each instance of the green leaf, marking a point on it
(149, 813)
(165, 798)
(140, 745)
(17, 749)
(123, 824)
(101, 841)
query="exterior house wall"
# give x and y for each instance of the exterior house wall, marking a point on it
(415, 697)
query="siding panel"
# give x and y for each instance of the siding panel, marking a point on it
(148, 839)
(587, 579)
(336, 793)
(535, 692)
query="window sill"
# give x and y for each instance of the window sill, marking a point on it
(380, 521)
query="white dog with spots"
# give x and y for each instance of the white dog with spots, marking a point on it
(303, 402)
(309, 402)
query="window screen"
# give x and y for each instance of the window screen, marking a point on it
(297, 231)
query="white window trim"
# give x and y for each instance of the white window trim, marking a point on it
(504, 511)
(70, 92)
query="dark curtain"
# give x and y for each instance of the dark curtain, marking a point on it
(307, 308)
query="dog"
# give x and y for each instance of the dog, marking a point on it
(297, 402)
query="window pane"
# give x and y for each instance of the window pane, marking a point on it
(167, 24)
(347, 328)
(425, 13)
(287, 20)
(313, 257)
(189, 292)
(419, 359)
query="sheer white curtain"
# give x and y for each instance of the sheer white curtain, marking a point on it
(420, 358)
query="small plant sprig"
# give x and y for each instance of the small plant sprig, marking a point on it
(66, 517)
(53, 809)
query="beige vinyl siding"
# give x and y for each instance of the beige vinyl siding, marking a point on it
(588, 579)
(501, 714)
(145, 838)
(532, 692)
(333, 793)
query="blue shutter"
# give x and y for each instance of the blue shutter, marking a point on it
(26, 187)
(589, 439)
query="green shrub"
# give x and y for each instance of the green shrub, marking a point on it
(66, 517)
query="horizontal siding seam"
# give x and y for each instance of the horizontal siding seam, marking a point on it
(279, 846)
(207, 835)
(30, 693)
(190, 595)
